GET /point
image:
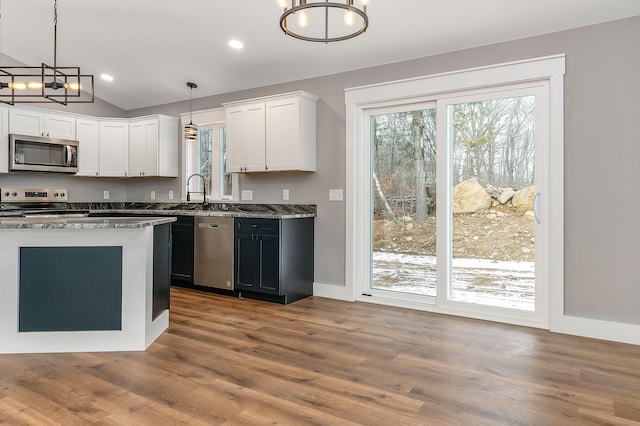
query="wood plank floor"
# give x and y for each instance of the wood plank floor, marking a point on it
(320, 361)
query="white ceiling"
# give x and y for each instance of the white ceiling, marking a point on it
(153, 47)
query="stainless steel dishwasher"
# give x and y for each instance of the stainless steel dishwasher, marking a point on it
(213, 254)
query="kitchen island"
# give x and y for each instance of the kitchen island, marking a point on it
(83, 284)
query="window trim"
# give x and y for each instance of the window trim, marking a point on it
(203, 118)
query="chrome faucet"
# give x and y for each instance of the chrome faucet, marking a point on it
(203, 192)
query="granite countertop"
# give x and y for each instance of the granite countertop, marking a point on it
(266, 211)
(81, 222)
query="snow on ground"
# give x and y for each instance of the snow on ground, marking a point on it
(503, 284)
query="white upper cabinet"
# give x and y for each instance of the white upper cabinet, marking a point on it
(114, 148)
(153, 147)
(88, 133)
(59, 126)
(32, 122)
(246, 128)
(276, 133)
(4, 140)
(291, 134)
(108, 147)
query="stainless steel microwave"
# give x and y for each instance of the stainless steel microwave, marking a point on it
(38, 154)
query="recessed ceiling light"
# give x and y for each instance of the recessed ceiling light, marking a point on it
(236, 44)
(106, 77)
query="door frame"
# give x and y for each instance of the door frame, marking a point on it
(358, 234)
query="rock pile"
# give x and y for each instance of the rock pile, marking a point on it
(470, 197)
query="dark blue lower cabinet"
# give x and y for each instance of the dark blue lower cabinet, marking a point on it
(162, 250)
(274, 259)
(182, 234)
(70, 289)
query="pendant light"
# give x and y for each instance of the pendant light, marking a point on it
(191, 130)
(45, 84)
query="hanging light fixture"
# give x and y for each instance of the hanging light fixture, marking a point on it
(322, 20)
(191, 130)
(45, 84)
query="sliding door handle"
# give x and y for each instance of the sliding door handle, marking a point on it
(537, 207)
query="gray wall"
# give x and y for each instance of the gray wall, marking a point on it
(602, 158)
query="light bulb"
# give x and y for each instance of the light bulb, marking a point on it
(75, 86)
(349, 18)
(282, 4)
(303, 19)
(365, 2)
(18, 85)
(35, 85)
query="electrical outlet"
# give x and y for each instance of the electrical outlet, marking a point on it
(171, 195)
(336, 195)
(153, 195)
(247, 195)
(285, 194)
(106, 195)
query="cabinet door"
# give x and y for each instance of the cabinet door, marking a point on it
(26, 122)
(114, 149)
(182, 254)
(150, 164)
(247, 262)
(245, 138)
(88, 133)
(137, 148)
(237, 139)
(283, 135)
(255, 153)
(269, 280)
(168, 145)
(4, 140)
(59, 126)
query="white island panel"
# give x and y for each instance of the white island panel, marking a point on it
(138, 328)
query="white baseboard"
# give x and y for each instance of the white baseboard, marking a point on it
(576, 326)
(599, 329)
(331, 291)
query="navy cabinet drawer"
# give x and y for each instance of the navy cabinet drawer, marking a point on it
(257, 226)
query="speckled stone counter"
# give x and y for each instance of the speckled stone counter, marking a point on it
(266, 211)
(82, 222)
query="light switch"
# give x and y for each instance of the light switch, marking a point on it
(153, 195)
(336, 195)
(171, 195)
(106, 195)
(247, 195)
(285, 194)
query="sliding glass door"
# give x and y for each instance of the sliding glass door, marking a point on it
(456, 191)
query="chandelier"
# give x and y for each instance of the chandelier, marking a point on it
(45, 84)
(320, 20)
(191, 130)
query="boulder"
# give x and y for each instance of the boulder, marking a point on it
(522, 200)
(493, 191)
(505, 195)
(469, 197)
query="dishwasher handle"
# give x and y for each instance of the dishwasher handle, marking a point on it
(211, 226)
